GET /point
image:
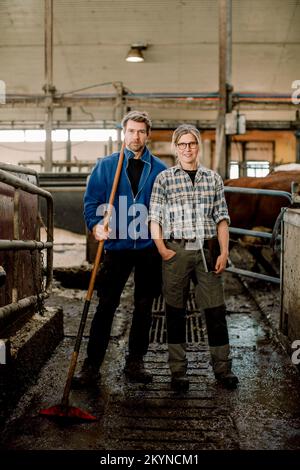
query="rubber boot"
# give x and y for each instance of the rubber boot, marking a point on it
(88, 376)
(221, 364)
(135, 370)
(178, 367)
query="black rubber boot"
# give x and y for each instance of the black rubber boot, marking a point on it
(87, 377)
(179, 382)
(218, 341)
(221, 363)
(135, 370)
(229, 381)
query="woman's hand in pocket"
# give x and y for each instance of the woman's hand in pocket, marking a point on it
(168, 254)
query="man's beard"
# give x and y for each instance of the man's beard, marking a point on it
(136, 147)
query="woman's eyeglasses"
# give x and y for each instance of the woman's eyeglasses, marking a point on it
(184, 145)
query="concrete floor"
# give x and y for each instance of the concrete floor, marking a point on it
(263, 413)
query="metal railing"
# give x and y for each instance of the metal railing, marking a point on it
(61, 166)
(18, 169)
(16, 244)
(255, 233)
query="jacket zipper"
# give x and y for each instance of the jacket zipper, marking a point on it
(136, 196)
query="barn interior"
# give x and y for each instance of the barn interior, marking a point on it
(70, 71)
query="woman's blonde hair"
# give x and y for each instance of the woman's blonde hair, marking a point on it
(186, 129)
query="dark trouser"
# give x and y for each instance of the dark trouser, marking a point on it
(216, 325)
(116, 268)
(217, 333)
(176, 330)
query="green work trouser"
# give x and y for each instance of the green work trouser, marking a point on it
(209, 294)
(177, 273)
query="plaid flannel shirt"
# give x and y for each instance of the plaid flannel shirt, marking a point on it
(188, 211)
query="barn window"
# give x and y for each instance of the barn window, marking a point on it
(234, 170)
(251, 167)
(251, 158)
(257, 168)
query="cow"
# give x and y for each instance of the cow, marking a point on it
(252, 210)
(286, 167)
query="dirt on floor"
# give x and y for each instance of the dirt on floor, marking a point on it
(263, 413)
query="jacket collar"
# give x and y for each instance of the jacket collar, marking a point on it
(146, 156)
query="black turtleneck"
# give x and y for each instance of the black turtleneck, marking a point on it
(134, 170)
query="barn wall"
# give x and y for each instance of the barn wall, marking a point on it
(290, 308)
(285, 143)
(285, 147)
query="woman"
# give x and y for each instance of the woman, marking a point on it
(189, 224)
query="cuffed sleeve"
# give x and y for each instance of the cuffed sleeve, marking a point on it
(220, 210)
(157, 201)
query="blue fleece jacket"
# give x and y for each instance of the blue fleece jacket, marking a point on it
(129, 222)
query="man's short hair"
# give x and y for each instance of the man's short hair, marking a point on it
(137, 116)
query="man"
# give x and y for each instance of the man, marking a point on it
(127, 245)
(189, 224)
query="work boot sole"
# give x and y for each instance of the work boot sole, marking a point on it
(78, 383)
(230, 383)
(180, 385)
(144, 379)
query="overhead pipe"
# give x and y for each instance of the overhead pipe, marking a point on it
(157, 95)
(162, 124)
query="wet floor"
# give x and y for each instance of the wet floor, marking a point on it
(263, 413)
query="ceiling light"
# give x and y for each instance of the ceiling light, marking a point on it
(135, 53)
